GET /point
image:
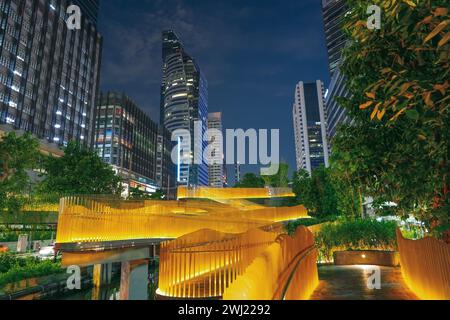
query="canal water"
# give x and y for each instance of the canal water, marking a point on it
(111, 292)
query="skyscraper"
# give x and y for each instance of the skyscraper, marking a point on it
(333, 14)
(216, 174)
(237, 173)
(126, 138)
(310, 121)
(49, 74)
(165, 168)
(184, 101)
(90, 8)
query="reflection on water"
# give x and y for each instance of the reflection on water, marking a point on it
(112, 292)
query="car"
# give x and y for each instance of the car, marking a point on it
(47, 252)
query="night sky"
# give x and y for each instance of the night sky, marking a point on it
(253, 53)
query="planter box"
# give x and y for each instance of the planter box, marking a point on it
(380, 258)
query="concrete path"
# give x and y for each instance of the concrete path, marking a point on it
(350, 283)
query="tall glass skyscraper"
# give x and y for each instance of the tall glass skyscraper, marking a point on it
(310, 122)
(184, 101)
(49, 74)
(333, 14)
(216, 171)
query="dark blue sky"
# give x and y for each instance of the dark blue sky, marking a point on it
(253, 53)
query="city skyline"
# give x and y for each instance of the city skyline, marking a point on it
(237, 74)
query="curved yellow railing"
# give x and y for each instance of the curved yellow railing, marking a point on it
(99, 219)
(204, 264)
(425, 266)
(289, 268)
(233, 193)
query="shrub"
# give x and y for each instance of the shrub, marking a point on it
(13, 269)
(292, 226)
(355, 235)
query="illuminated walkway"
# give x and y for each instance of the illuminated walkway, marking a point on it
(350, 283)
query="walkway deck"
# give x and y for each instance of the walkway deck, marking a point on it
(350, 283)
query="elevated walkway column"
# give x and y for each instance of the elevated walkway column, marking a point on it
(134, 280)
(102, 276)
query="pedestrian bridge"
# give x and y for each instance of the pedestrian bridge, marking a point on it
(90, 222)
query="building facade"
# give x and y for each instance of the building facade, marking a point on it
(165, 168)
(216, 173)
(333, 14)
(126, 138)
(237, 173)
(310, 126)
(49, 75)
(184, 102)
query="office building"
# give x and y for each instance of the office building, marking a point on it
(237, 173)
(49, 74)
(310, 123)
(216, 173)
(184, 101)
(126, 138)
(333, 14)
(165, 168)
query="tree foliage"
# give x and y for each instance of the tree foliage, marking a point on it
(18, 154)
(251, 180)
(280, 179)
(316, 192)
(80, 171)
(397, 147)
(138, 194)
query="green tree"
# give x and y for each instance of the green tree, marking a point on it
(138, 194)
(398, 82)
(316, 192)
(79, 171)
(251, 180)
(18, 154)
(280, 179)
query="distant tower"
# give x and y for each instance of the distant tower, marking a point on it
(237, 176)
(216, 170)
(310, 126)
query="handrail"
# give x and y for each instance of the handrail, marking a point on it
(303, 255)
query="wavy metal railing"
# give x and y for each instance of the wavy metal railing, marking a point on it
(204, 264)
(425, 266)
(289, 269)
(99, 219)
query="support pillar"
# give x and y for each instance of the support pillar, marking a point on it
(102, 276)
(134, 280)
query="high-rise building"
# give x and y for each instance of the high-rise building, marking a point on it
(49, 74)
(165, 168)
(336, 114)
(184, 101)
(333, 14)
(127, 138)
(237, 173)
(310, 123)
(90, 8)
(216, 173)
